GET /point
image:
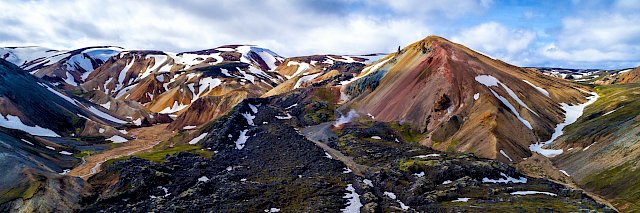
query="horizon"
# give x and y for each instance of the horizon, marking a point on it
(571, 34)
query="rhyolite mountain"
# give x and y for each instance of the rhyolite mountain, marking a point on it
(464, 101)
(37, 123)
(252, 131)
(622, 77)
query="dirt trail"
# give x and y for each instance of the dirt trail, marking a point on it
(145, 138)
(322, 132)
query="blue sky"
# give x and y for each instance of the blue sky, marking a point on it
(571, 33)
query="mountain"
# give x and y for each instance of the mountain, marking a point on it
(601, 149)
(36, 123)
(143, 85)
(39, 109)
(622, 77)
(58, 67)
(463, 101)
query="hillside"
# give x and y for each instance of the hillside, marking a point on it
(37, 124)
(463, 101)
(601, 149)
(623, 77)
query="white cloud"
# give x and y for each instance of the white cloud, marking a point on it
(288, 27)
(495, 39)
(445, 7)
(587, 55)
(597, 37)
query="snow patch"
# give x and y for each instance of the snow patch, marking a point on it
(197, 139)
(254, 109)
(249, 118)
(540, 89)
(65, 153)
(189, 127)
(175, 108)
(242, 139)
(272, 210)
(393, 196)
(117, 139)
(105, 115)
(301, 68)
(366, 71)
(505, 155)
(14, 122)
(461, 199)
(427, 156)
(106, 105)
(287, 117)
(138, 122)
(66, 98)
(203, 179)
(26, 141)
(305, 79)
(572, 114)
(368, 182)
(353, 200)
(346, 170)
(586, 148)
(292, 106)
(506, 179)
(612, 111)
(327, 155)
(513, 109)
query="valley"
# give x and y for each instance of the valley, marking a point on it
(145, 138)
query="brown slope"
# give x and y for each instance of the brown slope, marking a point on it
(208, 108)
(632, 76)
(431, 84)
(620, 77)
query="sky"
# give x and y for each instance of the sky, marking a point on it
(552, 33)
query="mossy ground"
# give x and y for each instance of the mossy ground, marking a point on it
(620, 183)
(624, 99)
(528, 203)
(158, 153)
(600, 122)
(25, 191)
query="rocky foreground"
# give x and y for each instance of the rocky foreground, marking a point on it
(261, 162)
